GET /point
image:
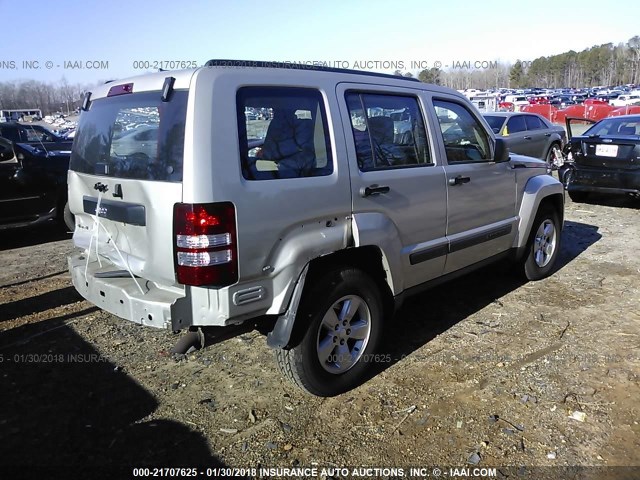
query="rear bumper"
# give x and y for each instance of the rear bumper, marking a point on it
(37, 220)
(156, 307)
(572, 187)
(610, 181)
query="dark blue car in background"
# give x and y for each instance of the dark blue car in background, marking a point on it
(33, 176)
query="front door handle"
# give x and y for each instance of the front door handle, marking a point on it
(527, 137)
(373, 190)
(459, 180)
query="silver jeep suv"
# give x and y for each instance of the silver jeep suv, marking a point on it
(318, 214)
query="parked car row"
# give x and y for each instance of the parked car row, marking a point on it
(516, 99)
(33, 176)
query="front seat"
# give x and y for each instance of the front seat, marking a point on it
(382, 139)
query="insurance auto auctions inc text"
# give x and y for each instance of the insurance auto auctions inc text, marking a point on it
(376, 472)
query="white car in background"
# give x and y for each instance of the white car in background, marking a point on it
(142, 140)
(625, 100)
(472, 92)
(518, 101)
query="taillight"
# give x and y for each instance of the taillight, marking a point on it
(205, 243)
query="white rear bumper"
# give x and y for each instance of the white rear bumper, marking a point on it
(121, 296)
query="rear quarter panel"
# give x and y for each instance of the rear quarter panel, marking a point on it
(282, 223)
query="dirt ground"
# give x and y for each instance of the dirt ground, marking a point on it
(485, 371)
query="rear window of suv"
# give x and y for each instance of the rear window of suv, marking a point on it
(134, 136)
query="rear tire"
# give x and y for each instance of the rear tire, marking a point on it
(342, 315)
(543, 245)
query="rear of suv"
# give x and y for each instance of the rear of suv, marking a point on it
(318, 215)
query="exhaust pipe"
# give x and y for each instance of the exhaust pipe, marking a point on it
(190, 342)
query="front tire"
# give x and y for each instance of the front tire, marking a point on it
(343, 315)
(543, 245)
(551, 158)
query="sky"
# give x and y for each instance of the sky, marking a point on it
(90, 41)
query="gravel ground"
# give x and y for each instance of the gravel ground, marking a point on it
(485, 371)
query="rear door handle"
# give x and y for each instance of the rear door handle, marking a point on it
(547, 134)
(459, 180)
(373, 190)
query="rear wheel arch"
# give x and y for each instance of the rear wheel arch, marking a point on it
(368, 259)
(556, 143)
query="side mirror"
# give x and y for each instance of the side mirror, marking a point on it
(501, 153)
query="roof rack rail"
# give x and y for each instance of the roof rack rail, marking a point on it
(218, 62)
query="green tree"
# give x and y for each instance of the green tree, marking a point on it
(516, 75)
(431, 75)
(633, 60)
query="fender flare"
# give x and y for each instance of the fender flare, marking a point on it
(536, 190)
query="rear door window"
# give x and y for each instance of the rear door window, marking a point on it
(516, 124)
(534, 123)
(388, 131)
(133, 136)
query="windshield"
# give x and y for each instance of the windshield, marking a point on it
(494, 121)
(616, 126)
(132, 136)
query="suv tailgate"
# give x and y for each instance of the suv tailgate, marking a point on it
(127, 160)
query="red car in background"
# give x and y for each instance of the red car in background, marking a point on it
(596, 101)
(539, 100)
